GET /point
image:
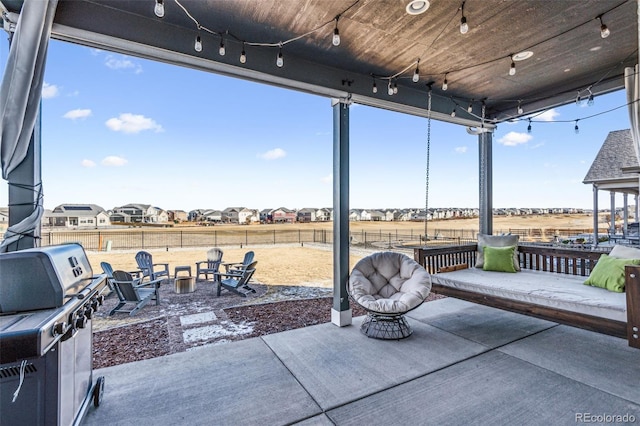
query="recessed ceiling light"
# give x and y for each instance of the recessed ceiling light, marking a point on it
(416, 7)
(596, 48)
(522, 55)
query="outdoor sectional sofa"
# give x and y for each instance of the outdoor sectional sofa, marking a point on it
(549, 285)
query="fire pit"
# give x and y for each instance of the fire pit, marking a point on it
(185, 284)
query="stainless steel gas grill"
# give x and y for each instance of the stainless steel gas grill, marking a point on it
(47, 298)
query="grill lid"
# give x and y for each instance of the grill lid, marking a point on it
(43, 277)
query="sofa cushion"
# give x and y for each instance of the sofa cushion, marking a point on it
(499, 259)
(609, 273)
(496, 241)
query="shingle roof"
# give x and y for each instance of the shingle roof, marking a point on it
(616, 152)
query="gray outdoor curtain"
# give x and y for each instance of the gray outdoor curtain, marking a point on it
(632, 86)
(20, 95)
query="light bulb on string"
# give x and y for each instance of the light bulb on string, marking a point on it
(374, 89)
(453, 112)
(280, 59)
(529, 127)
(470, 107)
(159, 8)
(464, 26)
(222, 51)
(591, 101)
(445, 84)
(243, 55)
(336, 34)
(576, 129)
(395, 88)
(512, 70)
(416, 73)
(604, 30)
(520, 110)
(198, 44)
(390, 89)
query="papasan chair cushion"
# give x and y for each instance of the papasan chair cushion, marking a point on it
(387, 285)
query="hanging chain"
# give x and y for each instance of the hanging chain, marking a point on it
(426, 192)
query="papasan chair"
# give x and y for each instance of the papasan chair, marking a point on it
(388, 285)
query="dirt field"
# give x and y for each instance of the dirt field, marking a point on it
(309, 266)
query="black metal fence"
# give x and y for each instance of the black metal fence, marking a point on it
(139, 239)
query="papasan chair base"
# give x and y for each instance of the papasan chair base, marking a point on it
(386, 327)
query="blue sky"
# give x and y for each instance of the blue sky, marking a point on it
(120, 130)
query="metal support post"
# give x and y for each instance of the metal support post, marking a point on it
(486, 182)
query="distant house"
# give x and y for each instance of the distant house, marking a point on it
(324, 215)
(247, 216)
(265, 216)
(231, 214)
(177, 215)
(307, 214)
(77, 216)
(283, 215)
(4, 217)
(377, 216)
(139, 213)
(211, 216)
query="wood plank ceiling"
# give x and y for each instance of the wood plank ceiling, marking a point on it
(379, 39)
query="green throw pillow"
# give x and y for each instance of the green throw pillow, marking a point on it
(499, 259)
(609, 273)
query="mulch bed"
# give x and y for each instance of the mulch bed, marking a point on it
(153, 338)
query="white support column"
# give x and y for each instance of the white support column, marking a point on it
(341, 312)
(595, 215)
(625, 214)
(612, 224)
(636, 217)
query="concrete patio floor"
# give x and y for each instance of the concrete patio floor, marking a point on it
(465, 364)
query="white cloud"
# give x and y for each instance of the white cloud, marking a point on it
(548, 115)
(88, 163)
(273, 154)
(114, 161)
(132, 123)
(122, 63)
(327, 179)
(74, 114)
(515, 138)
(461, 149)
(49, 90)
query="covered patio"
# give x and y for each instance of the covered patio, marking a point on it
(473, 63)
(465, 364)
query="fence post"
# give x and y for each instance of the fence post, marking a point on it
(215, 238)
(299, 237)
(365, 239)
(274, 236)
(389, 239)
(181, 246)
(246, 237)
(142, 234)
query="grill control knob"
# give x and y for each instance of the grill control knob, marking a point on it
(94, 305)
(101, 299)
(59, 328)
(88, 312)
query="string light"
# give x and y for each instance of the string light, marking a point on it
(416, 73)
(591, 100)
(604, 30)
(374, 89)
(198, 44)
(464, 27)
(445, 86)
(578, 99)
(453, 112)
(280, 59)
(512, 70)
(222, 51)
(520, 111)
(159, 8)
(529, 127)
(576, 129)
(395, 88)
(243, 55)
(336, 34)
(470, 107)
(390, 89)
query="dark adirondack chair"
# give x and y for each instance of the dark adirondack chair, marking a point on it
(235, 266)
(236, 281)
(211, 265)
(146, 265)
(131, 291)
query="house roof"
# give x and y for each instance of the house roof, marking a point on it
(617, 152)
(77, 210)
(380, 41)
